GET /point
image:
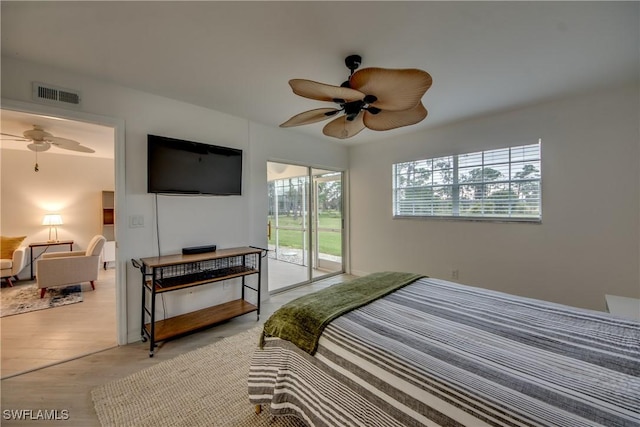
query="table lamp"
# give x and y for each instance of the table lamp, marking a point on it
(52, 220)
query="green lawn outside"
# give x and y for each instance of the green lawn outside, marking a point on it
(330, 242)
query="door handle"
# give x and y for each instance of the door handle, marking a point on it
(269, 230)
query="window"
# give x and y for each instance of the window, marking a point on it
(499, 184)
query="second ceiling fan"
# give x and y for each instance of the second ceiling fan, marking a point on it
(41, 140)
(374, 98)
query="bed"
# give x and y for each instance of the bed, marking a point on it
(435, 353)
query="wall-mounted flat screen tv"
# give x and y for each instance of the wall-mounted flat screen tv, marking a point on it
(186, 167)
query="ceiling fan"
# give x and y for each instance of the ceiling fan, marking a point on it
(374, 98)
(42, 141)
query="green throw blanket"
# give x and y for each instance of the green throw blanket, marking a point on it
(302, 320)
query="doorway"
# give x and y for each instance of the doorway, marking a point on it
(305, 224)
(31, 346)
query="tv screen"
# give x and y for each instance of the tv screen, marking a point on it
(186, 167)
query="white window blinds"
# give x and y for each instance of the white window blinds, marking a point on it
(503, 184)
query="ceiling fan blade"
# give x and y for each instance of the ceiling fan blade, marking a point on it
(56, 140)
(342, 128)
(69, 144)
(15, 136)
(80, 148)
(387, 120)
(73, 147)
(396, 90)
(324, 92)
(311, 116)
(39, 147)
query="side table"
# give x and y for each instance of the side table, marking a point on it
(623, 306)
(46, 245)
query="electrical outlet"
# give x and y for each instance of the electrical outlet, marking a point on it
(226, 285)
(454, 274)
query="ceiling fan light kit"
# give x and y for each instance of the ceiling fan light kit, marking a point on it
(39, 147)
(374, 98)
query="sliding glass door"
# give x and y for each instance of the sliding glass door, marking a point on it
(287, 224)
(327, 223)
(304, 224)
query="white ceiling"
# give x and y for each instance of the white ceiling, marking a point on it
(236, 57)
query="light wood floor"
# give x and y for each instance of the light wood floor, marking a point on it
(40, 338)
(67, 386)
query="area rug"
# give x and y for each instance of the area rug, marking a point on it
(25, 298)
(205, 387)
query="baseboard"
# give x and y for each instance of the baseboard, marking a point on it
(359, 272)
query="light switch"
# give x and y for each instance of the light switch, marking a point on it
(136, 221)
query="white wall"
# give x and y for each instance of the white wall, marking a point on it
(587, 244)
(183, 221)
(69, 185)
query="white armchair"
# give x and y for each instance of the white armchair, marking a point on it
(68, 268)
(10, 268)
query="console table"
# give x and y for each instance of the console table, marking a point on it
(46, 246)
(172, 272)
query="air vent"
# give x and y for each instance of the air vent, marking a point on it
(55, 95)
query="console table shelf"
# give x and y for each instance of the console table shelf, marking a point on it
(190, 322)
(172, 272)
(207, 276)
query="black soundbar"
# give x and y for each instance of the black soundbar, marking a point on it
(198, 249)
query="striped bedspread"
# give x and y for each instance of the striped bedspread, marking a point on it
(439, 353)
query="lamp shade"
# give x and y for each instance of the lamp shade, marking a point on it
(52, 219)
